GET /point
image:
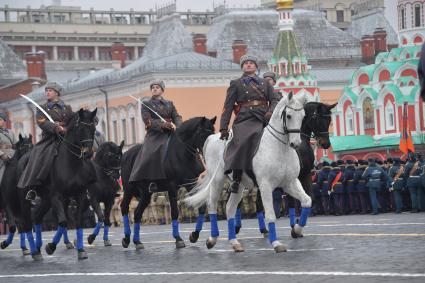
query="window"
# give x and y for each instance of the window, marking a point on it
(403, 18)
(389, 116)
(349, 121)
(124, 130)
(340, 16)
(115, 129)
(368, 115)
(133, 130)
(417, 16)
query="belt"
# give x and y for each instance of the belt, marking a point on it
(350, 180)
(325, 181)
(375, 180)
(414, 176)
(338, 183)
(253, 103)
(362, 181)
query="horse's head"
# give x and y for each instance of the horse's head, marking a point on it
(317, 121)
(82, 127)
(290, 113)
(195, 131)
(108, 157)
(23, 145)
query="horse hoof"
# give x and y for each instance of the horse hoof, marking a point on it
(194, 236)
(265, 233)
(91, 238)
(82, 254)
(139, 245)
(50, 248)
(180, 243)
(280, 248)
(25, 252)
(107, 243)
(296, 231)
(237, 229)
(37, 256)
(4, 245)
(211, 243)
(69, 246)
(125, 242)
(238, 248)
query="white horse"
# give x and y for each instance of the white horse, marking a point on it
(275, 164)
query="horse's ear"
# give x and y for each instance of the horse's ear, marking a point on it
(21, 139)
(80, 112)
(121, 145)
(213, 120)
(93, 113)
(30, 137)
(290, 95)
(332, 106)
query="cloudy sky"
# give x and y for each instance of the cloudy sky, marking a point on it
(141, 5)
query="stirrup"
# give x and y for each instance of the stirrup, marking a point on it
(153, 187)
(31, 195)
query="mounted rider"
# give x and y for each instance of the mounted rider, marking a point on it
(42, 156)
(7, 141)
(149, 163)
(253, 101)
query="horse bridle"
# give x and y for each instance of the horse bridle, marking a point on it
(316, 135)
(286, 131)
(80, 148)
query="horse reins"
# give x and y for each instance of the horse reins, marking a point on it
(286, 131)
(80, 148)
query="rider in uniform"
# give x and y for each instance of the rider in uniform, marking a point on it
(7, 141)
(42, 155)
(149, 163)
(253, 101)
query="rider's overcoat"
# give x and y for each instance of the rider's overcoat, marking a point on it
(250, 98)
(42, 155)
(149, 163)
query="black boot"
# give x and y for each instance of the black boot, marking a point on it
(234, 187)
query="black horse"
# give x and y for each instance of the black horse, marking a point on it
(182, 166)
(315, 125)
(71, 172)
(107, 164)
(9, 195)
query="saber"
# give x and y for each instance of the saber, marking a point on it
(38, 107)
(154, 112)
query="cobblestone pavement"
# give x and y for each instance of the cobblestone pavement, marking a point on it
(358, 248)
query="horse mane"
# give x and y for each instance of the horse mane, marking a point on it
(188, 127)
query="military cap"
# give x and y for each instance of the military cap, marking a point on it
(270, 75)
(349, 162)
(246, 58)
(158, 82)
(325, 163)
(371, 160)
(340, 162)
(397, 161)
(334, 164)
(3, 116)
(55, 86)
(390, 160)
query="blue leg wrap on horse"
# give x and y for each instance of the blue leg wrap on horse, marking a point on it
(305, 212)
(175, 225)
(10, 238)
(126, 221)
(38, 237)
(199, 222)
(97, 228)
(31, 242)
(106, 233)
(80, 244)
(238, 217)
(231, 228)
(136, 236)
(292, 217)
(22, 240)
(214, 225)
(261, 223)
(57, 237)
(272, 232)
(65, 236)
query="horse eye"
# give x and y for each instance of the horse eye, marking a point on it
(288, 116)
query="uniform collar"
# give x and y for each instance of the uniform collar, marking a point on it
(248, 79)
(58, 103)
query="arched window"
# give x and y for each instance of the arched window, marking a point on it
(349, 121)
(368, 115)
(403, 18)
(389, 116)
(417, 15)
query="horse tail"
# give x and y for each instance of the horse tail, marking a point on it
(200, 194)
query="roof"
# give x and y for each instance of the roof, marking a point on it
(348, 143)
(11, 66)
(334, 74)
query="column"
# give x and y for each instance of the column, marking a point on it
(96, 53)
(33, 49)
(76, 57)
(136, 52)
(55, 53)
